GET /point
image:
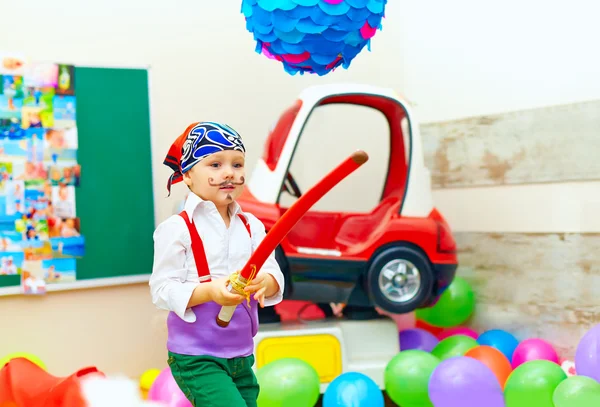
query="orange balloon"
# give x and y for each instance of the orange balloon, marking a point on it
(494, 359)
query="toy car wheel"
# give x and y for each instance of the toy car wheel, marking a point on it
(400, 280)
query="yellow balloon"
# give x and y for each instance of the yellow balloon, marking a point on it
(28, 356)
(148, 378)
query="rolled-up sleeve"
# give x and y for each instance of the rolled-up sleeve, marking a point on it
(169, 287)
(270, 266)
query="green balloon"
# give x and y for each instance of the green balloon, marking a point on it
(406, 378)
(454, 307)
(577, 391)
(532, 384)
(452, 346)
(288, 382)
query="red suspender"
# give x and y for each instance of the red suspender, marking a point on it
(245, 221)
(198, 247)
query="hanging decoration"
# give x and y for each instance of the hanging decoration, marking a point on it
(314, 36)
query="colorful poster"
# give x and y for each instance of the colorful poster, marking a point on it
(11, 263)
(10, 107)
(41, 75)
(64, 112)
(12, 64)
(59, 270)
(66, 80)
(32, 277)
(40, 233)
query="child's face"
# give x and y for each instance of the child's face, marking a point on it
(219, 178)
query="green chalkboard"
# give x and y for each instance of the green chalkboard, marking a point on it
(115, 200)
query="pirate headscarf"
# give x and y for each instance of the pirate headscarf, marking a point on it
(198, 141)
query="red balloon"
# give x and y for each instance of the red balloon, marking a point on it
(458, 330)
(429, 328)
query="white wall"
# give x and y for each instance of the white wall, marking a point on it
(454, 59)
(469, 57)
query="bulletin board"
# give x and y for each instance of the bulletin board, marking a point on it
(113, 198)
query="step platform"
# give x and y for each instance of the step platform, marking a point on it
(331, 346)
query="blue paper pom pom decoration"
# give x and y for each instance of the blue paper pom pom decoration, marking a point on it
(314, 36)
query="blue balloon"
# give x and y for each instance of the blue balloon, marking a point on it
(501, 340)
(353, 389)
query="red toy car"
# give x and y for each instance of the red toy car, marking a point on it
(399, 257)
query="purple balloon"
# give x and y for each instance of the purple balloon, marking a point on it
(417, 338)
(587, 356)
(464, 382)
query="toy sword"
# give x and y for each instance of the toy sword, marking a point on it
(283, 226)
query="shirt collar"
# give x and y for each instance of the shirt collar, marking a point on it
(193, 201)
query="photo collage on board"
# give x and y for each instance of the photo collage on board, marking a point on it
(40, 235)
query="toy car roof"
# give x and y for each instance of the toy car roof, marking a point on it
(316, 93)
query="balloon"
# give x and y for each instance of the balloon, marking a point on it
(429, 328)
(455, 306)
(459, 330)
(417, 339)
(464, 382)
(532, 384)
(587, 356)
(533, 349)
(148, 377)
(32, 358)
(494, 360)
(403, 321)
(351, 389)
(288, 382)
(179, 400)
(577, 391)
(164, 389)
(406, 378)
(501, 340)
(453, 346)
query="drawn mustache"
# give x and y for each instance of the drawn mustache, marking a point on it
(212, 183)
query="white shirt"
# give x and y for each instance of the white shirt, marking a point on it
(174, 275)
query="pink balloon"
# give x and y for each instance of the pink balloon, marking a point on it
(533, 349)
(180, 401)
(165, 390)
(403, 321)
(458, 330)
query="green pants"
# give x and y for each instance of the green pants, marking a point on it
(207, 381)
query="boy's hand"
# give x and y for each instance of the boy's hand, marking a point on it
(263, 285)
(221, 295)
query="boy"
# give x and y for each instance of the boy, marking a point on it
(195, 252)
